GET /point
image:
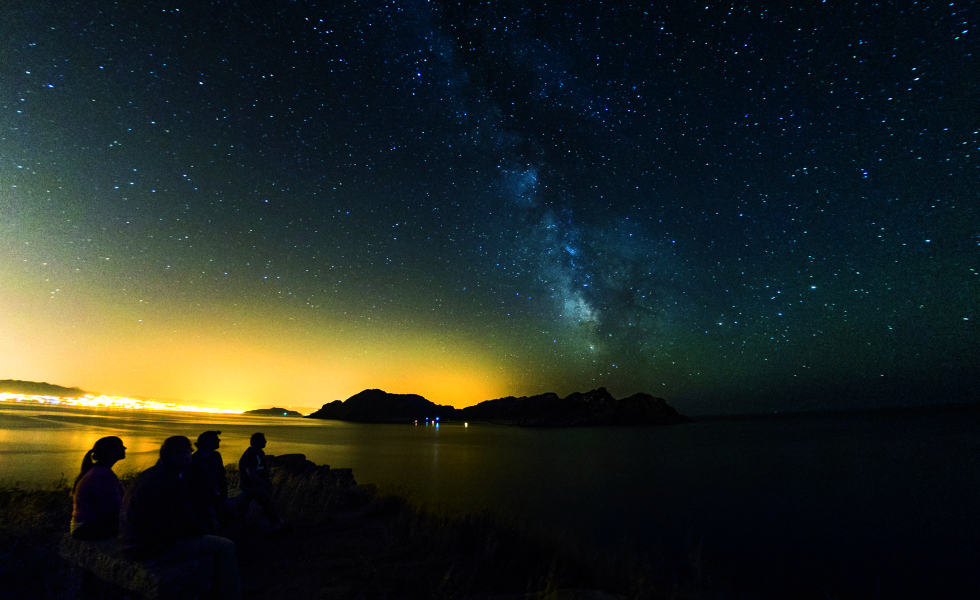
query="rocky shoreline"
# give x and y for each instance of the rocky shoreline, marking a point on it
(347, 540)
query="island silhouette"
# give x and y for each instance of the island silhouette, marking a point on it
(275, 411)
(580, 409)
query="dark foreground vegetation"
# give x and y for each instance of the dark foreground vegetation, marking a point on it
(352, 541)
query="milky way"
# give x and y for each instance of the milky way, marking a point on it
(736, 206)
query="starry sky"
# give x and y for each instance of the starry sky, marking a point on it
(738, 206)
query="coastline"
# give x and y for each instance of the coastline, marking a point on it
(350, 540)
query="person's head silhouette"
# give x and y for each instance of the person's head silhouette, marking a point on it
(208, 441)
(175, 452)
(105, 452)
(257, 440)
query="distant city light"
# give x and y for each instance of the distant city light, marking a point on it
(91, 401)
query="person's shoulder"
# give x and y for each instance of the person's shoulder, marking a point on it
(93, 473)
(86, 480)
(99, 472)
(200, 458)
(153, 474)
(151, 471)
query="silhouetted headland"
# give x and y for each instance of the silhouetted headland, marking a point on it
(39, 388)
(593, 408)
(273, 412)
(377, 406)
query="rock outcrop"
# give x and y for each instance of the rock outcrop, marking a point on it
(148, 580)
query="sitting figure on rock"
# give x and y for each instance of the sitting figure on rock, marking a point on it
(97, 494)
(254, 480)
(208, 484)
(158, 522)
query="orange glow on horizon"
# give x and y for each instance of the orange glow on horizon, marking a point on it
(90, 401)
(456, 388)
(223, 356)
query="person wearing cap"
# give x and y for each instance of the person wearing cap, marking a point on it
(208, 485)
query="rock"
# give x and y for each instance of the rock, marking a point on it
(342, 478)
(291, 462)
(147, 579)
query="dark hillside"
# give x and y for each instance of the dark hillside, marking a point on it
(37, 388)
(593, 408)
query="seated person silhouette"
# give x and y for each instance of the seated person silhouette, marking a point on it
(97, 494)
(158, 523)
(208, 484)
(254, 481)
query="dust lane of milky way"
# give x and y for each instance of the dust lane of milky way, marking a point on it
(737, 207)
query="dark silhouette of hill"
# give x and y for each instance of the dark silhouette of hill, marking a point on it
(15, 386)
(273, 412)
(596, 407)
(376, 406)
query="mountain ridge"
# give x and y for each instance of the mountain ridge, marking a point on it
(39, 388)
(580, 409)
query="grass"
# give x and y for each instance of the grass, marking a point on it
(32, 522)
(404, 550)
(349, 541)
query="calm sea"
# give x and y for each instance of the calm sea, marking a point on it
(824, 507)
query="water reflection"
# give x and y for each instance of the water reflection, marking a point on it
(844, 497)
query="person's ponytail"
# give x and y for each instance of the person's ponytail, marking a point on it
(86, 465)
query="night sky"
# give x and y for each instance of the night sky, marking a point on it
(738, 206)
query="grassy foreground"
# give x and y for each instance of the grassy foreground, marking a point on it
(347, 541)
(32, 521)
